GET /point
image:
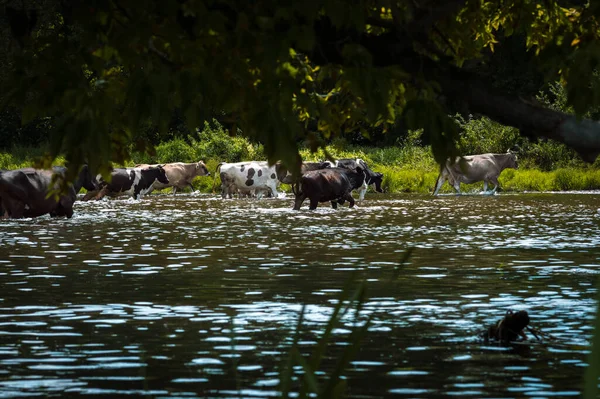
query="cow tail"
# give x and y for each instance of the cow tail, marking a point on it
(217, 169)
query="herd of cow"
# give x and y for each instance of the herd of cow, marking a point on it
(25, 192)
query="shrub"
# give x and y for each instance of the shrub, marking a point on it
(483, 135)
(176, 150)
(527, 180)
(214, 142)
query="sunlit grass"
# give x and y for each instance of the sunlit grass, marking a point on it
(409, 169)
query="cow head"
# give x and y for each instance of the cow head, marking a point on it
(283, 174)
(86, 179)
(201, 169)
(512, 160)
(161, 176)
(376, 179)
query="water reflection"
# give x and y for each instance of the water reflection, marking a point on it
(194, 296)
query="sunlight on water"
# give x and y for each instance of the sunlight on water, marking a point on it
(198, 297)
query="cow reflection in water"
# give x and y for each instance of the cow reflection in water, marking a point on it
(475, 168)
(332, 184)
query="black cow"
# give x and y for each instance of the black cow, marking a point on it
(332, 184)
(24, 192)
(371, 178)
(132, 181)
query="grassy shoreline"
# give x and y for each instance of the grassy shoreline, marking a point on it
(406, 170)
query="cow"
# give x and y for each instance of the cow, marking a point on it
(131, 181)
(371, 178)
(475, 168)
(180, 175)
(305, 167)
(331, 184)
(24, 192)
(250, 175)
(288, 178)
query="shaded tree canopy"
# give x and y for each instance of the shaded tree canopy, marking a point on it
(286, 73)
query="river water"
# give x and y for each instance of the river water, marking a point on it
(194, 296)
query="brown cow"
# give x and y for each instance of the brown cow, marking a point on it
(475, 168)
(180, 174)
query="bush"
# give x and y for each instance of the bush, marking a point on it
(483, 135)
(214, 142)
(176, 150)
(527, 180)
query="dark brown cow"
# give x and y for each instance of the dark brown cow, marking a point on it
(475, 168)
(180, 174)
(333, 184)
(24, 192)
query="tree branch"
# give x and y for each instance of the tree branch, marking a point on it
(394, 49)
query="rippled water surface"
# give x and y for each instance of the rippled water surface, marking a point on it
(192, 296)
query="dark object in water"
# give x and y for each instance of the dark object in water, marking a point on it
(509, 329)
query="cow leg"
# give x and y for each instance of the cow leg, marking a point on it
(191, 187)
(299, 200)
(485, 186)
(456, 186)
(14, 208)
(273, 187)
(89, 195)
(137, 194)
(362, 191)
(496, 184)
(174, 190)
(334, 204)
(439, 183)
(102, 193)
(313, 204)
(350, 199)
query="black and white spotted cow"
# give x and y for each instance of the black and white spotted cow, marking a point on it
(249, 176)
(371, 178)
(131, 181)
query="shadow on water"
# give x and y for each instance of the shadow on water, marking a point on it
(194, 296)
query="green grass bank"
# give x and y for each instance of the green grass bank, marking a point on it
(410, 169)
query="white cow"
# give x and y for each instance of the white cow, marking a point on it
(475, 168)
(247, 176)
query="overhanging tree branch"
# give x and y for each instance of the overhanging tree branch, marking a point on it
(457, 84)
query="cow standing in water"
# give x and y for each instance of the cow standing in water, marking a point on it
(179, 174)
(24, 192)
(332, 184)
(371, 178)
(250, 176)
(305, 167)
(131, 181)
(475, 168)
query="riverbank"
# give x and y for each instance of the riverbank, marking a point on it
(410, 169)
